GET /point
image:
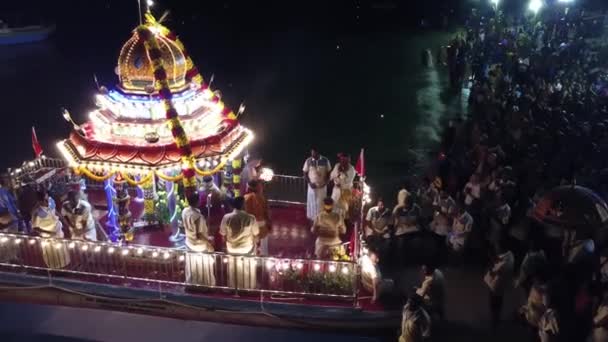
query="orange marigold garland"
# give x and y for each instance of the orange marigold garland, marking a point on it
(162, 86)
(192, 73)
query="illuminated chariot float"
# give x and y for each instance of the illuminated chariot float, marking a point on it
(161, 129)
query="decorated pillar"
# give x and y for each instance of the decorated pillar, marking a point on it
(149, 200)
(228, 180)
(237, 168)
(112, 224)
(122, 201)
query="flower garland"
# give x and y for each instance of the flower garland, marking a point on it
(173, 179)
(162, 85)
(91, 175)
(192, 73)
(147, 178)
(211, 172)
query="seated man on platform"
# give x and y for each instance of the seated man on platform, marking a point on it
(328, 226)
(240, 231)
(78, 215)
(46, 224)
(9, 214)
(256, 205)
(199, 267)
(377, 221)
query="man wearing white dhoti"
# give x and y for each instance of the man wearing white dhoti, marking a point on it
(46, 224)
(200, 266)
(316, 172)
(343, 176)
(328, 226)
(240, 231)
(78, 214)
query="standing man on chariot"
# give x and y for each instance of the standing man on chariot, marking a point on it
(316, 172)
(343, 176)
(328, 226)
(46, 224)
(199, 267)
(256, 205)
(78, 215)
(240, 231)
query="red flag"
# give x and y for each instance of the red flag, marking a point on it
(360, 167)
(35, 144)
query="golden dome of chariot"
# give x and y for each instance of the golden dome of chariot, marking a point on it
(135, 69)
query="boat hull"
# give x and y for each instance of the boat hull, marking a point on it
(232, 309)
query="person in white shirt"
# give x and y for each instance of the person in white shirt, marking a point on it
(46, 224)
(199, 266)
(240, 231)
(461, 228)
(446, 208)
(316, 172)
(377, 221)
(406, 218)
(328, 226)
(498, 278)
(79, 216)
(343, 176)
(415, 322)
(472, 191)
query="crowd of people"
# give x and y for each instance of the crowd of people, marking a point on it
(538, 118)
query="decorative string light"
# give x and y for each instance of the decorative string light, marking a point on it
(111, 250)
(317, 267)
(332, 268)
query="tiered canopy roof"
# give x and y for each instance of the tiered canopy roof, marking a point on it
(128, 129)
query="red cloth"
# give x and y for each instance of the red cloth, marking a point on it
(360, 167)
(35, 144)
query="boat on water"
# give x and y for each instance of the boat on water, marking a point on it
(161, 132)
(25, 35)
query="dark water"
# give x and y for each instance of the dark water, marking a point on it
(300, 89)
(29, 322)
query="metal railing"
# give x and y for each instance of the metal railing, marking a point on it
(286, 189)
(215, 271)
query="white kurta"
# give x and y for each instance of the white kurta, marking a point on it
(200, 267)
(343, 182)
(240, 231)
(317, 171)
(82, 220)
(55, 254)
